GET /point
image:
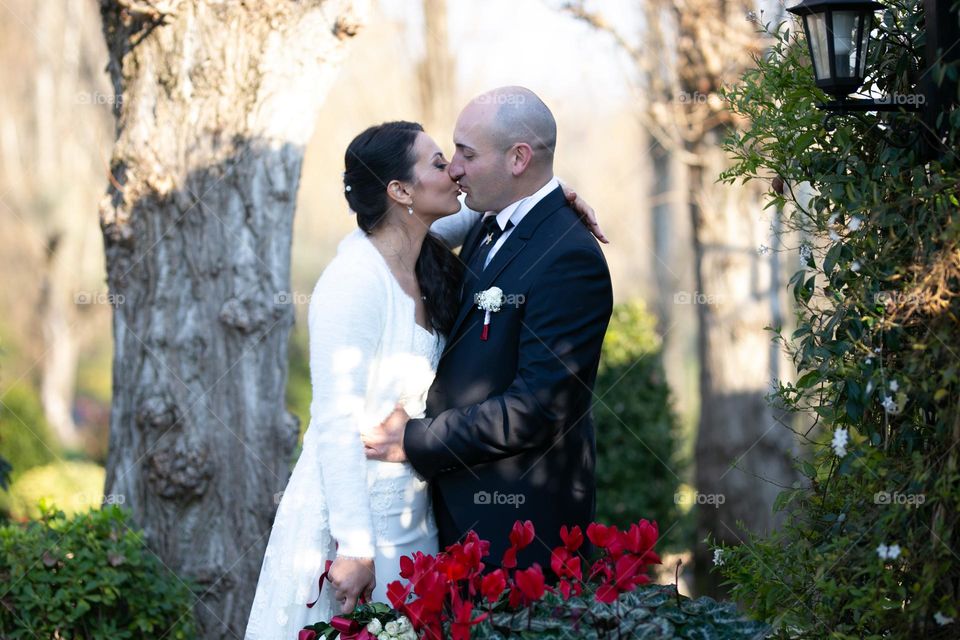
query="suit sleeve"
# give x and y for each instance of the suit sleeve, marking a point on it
(454, 228)
(565, 318)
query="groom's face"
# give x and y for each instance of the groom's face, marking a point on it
(479, 164)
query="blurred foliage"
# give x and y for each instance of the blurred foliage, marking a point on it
(25, 437)
(5, 469)
(299, 390)
(72, 486)
(95, 372)
(638, 466)
(88, 576)
(875, 348)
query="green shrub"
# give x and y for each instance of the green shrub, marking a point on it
(89, 576)
(869, 545)
(25, 438)
(636, 429)
(72, 486)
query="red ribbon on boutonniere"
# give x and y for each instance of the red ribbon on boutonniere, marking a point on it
(489, 301)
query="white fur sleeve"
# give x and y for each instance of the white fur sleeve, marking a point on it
(347, 316)
(454, 228)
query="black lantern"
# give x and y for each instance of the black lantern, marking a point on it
(838, 33)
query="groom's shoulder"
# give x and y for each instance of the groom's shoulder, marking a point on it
(564, 233)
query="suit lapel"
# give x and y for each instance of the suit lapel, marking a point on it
(513, 245)
(471, 242)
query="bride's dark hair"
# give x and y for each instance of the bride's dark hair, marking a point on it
(375, 157)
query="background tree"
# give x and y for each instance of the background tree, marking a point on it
(436, 72)
(701, 46)
(869, 547)
(215, 102)
(47, 182)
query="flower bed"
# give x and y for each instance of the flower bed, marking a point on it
(450, 595)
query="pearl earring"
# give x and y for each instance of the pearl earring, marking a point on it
(410, 210)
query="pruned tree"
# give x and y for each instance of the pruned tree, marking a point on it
(215, 103)
(690, 50)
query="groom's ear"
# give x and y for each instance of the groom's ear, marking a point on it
(398, 192)
(519, 157)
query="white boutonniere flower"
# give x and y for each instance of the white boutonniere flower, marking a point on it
(489, 301)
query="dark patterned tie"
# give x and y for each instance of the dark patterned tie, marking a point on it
(489, 234)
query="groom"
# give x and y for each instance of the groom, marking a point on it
(509, 435)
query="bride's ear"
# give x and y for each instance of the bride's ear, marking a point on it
(399, 192)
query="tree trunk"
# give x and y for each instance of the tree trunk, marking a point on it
(51, 131)
(215, 104)
(60, 357)
(743, 453)
(435, 72)
(700, 46)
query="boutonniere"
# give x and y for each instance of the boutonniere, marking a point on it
(489, 301)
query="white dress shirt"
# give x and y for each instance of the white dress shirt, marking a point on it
(516, 212)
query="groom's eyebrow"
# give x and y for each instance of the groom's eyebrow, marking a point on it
(463, 147)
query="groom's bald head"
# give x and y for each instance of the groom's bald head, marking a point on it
(521, 116)
(505, 140)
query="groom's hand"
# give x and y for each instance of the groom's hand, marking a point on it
(385, 441)
(587, 215)
(351, 578)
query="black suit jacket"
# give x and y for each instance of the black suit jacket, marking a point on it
(509, 435)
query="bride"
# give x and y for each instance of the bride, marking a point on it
(377, 320)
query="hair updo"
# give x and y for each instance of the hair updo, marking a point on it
(373, 159)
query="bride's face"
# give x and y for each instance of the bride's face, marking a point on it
(434, 193)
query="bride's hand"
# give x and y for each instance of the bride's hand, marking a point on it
(351, 578)
(587, 215)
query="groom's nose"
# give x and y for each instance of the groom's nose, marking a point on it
(455, 169)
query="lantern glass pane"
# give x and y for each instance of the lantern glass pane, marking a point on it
(817, 32)
(845, 48)
(863, 48)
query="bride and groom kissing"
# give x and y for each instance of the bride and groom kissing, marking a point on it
(451, 392)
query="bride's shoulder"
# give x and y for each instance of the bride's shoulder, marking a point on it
(356, 267)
